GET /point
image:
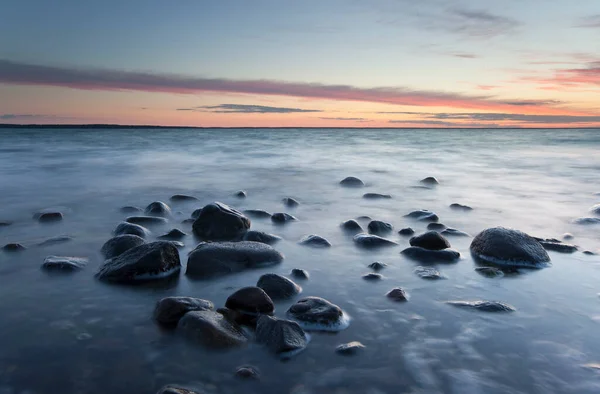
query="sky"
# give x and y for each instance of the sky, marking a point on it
(309, 63)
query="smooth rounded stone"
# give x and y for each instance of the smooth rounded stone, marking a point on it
(595, 209)
(503, 246)
(452, 232)
(130, 209)
(64, 263)
(257, 214)
(589, 253)
(350, 348)
(372, 276)
(557, 246)
(352, 181)
(124, 228)
(483, 306)
(397, 294)
(278, 287)
(315, 241)
(13, 247)
(241, 194)
(351, 226)
(282, 337)
(431, 240)
(379, 227)
(211, 259)
(300, 273)
(157, 208)
(568, 236)
(431, 256)
(147, 220)
(262, 237)
(376, 196)
(436, 226)
(247, 372)
(429, 273)
(372, 241)
(460, 207)
(182, 197)
(282, 217)
(250, 300)
(211, 329)
(120, 244)
(4, 223)
(587, 221)
(318, 314)
(377, 266)
(364, 217)
(429, 181)
(489, 272)
(423, 215)
(406, 231)
(46, 217)
(290, 202)
(196, 213)
(151, 261)
(169, 389)
(174, 234)
(218, 221)
(55, 240)
(170, 310)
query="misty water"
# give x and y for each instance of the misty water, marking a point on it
(70, 333)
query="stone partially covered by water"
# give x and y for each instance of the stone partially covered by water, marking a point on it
(587, 221)
(146, 220)
(377, 266)
(211, 329)
(250, 300)
(173, 235)
(120, 244)
(379, 227)
(595, 209)
(158, 208)
(489, 272)
(429, 273)
(406, 231)
(59, 239)
(557, 246)
(170, 389)
(182, 197)
(282, 218)
(350, 348)
(397, 294)
(278, 287)
(423, 215)
(318, 314)
(431, 240)
(218, 221)
(300, 274)
(290, 202)
(460, 207)
(352, 181)
(64, 263)
(483, 306)
(13, 247)
(170, 310)
(376, 196)
(316, 241)
(372, 276)
(260, 236)
(430, 181)
(282, 337)
(351, 226)
(431, 256)
(452, 232)
(130, 228)
(257, 214)
(509, 247)
(372, 241)
(47, 217)
(434, 226)
(241, 194)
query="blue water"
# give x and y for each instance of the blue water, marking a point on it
(73, 334)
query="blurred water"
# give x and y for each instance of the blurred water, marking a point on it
(72, 334)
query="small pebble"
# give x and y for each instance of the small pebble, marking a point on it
(376, 266)
(350, 348)
(372, 276)
(299, 273)
(247, 372)
(397, 294)
(406, 231)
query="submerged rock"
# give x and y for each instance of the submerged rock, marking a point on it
(589, 253)
(300, 273)
(259, 236)
(157, 208)
(315, 313)
(436, 226)
(282, 337)
(315, 241)
(170, 310)
(595, 209)
(509, 247)
(372, 241)
(188, 221)
(352, 181)
(429, 273)
(431, 256)
(484, 306)
(587, 221)
(452, 232)
(376, 196)
(489, 272)
(148, 220)
(210, 259)
(406, 231)
(290, 202)
(120, 244)
(211, 329)
(460, 207)
(130, 209)
(45, 217)
(397, 294)
(377, 266)
(124, 228)
(429, 181)
(13, 247)
(151, 261)
(282, 217)
(278, 287)
(257, 213)
(174, 234)
(218, 221)
(423, 215)
(250, 300)
(431, 240)
(63, 263)
(4, 223)
(241, 194)
(55, 240)
(379, 227)
(364, 217)
(567, 236)
(351, 226)
(169, 389)
(182, 197)
(247, 372)
(372, 276)
(557, 246)
(350, 348)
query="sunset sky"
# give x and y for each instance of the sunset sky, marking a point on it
(309, 63)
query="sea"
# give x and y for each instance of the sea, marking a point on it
(71, 333)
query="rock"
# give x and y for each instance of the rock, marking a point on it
(364, 217)
(300, 273)
(151, 261)
(452, 232)
(62, 263)
(315, 313)
(430, 181)
(4, 223)
(377, 266)
(351, 226)
(211, 329)
(595, 209)
(379, 227)
(196, 213)
(120, 244)
(170, 310)
(290, 202)
(259, 236)
(281, 218)
(188, 221)
(130, 209)
(460, 207)
(241, 194)
(428, 273)
(484, 306)
(557, 246)
(282, 337)
(567, 236)
(174, 234)
(436, 226)
(182, 197)
(372, 276)
(13, 247)
(489, 272)
(423, 215)
(124, 228)
(46, 217)
(247, 372)
(376, 196)
(218, 221)
(589, 253)
(177, 244)
(250, 301)
(257, 214)
(587, 221)
(55, 240)
(176, 390)
(371, 241)
(509, 247)
(350, 348)
(221, 258)
(278, 287)
(431, 240)
(352, 182)
(431, 256)
(397, 294)
(158, 208)
(147, 220)
(315, 241)
(406, 231)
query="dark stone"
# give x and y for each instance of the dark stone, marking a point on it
(211, 329)
(589, 253)
(315, 313)
(210, 259)
(377, 266)
(124, 228)
(130, 209)
(290, 202)
(170, 310)
(431, 256)
(182, 197)
(120, 244)
(177, 244)
(251, 301)
(169, 389)
(587, 221)
(174, 234)
(436, 226)
(158, 208)
(257, 213)
(247, 372)
(46, 217)
(557, 246)
(262, 237)
(350, 348)
(430, 181)
(371, 241)
(351, 226)
(282, 337)
(300, 273)
(379, 227)
(376, 196)
(352, 182)
(397, 294)
(428, 273)
(241, 194)
(188, 221)
(278, 287)
(509, 247)
(372, 276)
(423, 215)
(147, 220)
(595, 209)
(452, 232)
(282, 217)
(218, 221)
(13, 247)
(155, 260)
(406, 231)
(196, 213)
(4, 223)
(315, 241)
(55, 240)
(364, 217)
(431, 240)
(489, 272)
(61, 263)
(460, 207)
(568, 236)
(483, 306)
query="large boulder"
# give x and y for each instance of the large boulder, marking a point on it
(158, 208)
(151, 261)
(130, 228)
(352, 181)
(170, 310)
(211, 329)
(315, 313)
(250, 300)
(120, 244)
(218, 221)
(278, 287)
(371, 241)
(210, 259)
(431, 240)
(509, 247)
(282, 337)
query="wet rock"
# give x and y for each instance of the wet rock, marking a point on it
(431, 240)
(151, 261)
(397, 294)
(146, 220)
(124, 228)
(568, 236)
(587, 221)
(247, 372)
(46, 217)
(350, 348)
(218, 221)
(120, 244)
(436, 226)
(452, 232)
(315, 241)
(379, 227)
(351, 226)
(182, 197)
(282, 337)
(483, 306)
(557, 246)
(376, 196)
(377, 266)
(372, 276)
(589, 253)
(250, 301)
(210, 259)
(176, 390)
(170, 310)
(241, 194)
(595, 209)
(364, 217)
(290, 202)
(431, 256)
(489, 272)
(177, 244)
(300, 273)
(196, 213)
(429, 273)
(63, 263)
(278, 287)
(13, 247)
(282, 217)
(406, 231)
(315, 313)
(259, 236)
(372, 241)
(352, 181)
(188, 221)
(55, 240)
(130, 209)
(211, 329)
(4, 223)
(430, 181)
(423, 215)
(157, 208)
(257, 214)
(174, 234)
(460, 207)
(509, 247)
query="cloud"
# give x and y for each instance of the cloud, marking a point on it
(464, 55)
(586, 76)
(445, 124)
(592, 21)
(23, 116)
(486, 87)
(246, 109)
(426, 117)
(347, 119)
(476, 23)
